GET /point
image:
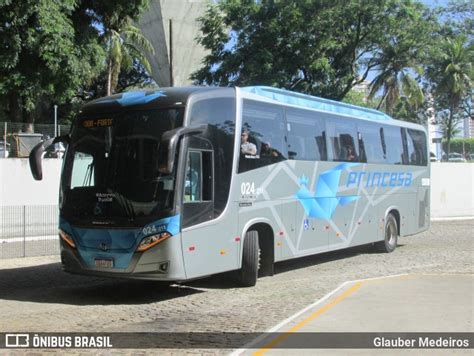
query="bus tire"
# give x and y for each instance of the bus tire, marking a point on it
(249, 271)
(389, 243)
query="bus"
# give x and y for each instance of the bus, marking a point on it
(181, 183)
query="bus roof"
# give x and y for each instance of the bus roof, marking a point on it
(313, 102)
(145, 99)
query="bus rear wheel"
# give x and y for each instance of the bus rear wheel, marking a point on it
(389, 243)
(249, 272)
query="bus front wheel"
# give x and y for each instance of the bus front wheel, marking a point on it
(389, 243)
(249, 271)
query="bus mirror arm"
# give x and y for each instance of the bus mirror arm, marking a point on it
(169, 144)
(36, 155)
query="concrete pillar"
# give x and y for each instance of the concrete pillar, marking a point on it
(187, 54)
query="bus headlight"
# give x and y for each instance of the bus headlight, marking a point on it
(150, 241)
(67, 238)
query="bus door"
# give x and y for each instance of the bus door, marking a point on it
(208, 247)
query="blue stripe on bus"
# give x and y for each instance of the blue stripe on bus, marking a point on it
(133, 98)
(121, 244)
(314, 102)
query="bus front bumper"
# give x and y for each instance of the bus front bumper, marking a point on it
(163, 262)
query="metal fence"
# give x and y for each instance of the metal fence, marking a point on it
(9, 144)
(27, 231)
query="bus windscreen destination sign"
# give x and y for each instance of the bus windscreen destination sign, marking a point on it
(91, 123)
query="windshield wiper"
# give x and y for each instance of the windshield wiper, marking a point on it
(88, 176)
(127, 206)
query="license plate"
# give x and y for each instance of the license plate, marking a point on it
(104, 263)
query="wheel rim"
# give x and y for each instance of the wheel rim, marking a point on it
(391, 233)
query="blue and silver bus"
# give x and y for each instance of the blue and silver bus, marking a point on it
(183, 183)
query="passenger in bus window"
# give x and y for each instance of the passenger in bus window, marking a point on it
(246, 147)
(350, 156)
(268, 150)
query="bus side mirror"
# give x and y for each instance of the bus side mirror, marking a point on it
(36, 155)
(169, 144)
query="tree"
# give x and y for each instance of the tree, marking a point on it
(451, 73)
(405, 110)
(124, 46)
(316, 47)
(124, 42)
(43, 55)
(399, 60)
(457, 17)
(51, 50)
(394, 78)
(449, 125)
(133, 77)
(359, 98)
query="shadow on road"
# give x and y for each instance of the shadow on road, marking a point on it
(326, 257)
(49, 284)
(228, 280)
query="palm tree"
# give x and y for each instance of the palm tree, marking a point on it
(453, 75)
(394, 79)
(125, 43)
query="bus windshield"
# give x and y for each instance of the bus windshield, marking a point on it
(111, 175)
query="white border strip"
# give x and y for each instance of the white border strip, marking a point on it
(302, 311)
(454, 218)
(29, 238)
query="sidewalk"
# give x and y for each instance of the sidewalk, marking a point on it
(408, 303)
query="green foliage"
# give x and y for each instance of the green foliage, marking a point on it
(452, 70)
(451, 74)
(315, 47)
(50, 50)
(405, 110)
(399, 56)
(125, 45)
(116, 14)
(129, 78)
(359, 98)
(460, 145)
(43, 57)
(457, 18)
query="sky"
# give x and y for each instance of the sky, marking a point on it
(433, 3)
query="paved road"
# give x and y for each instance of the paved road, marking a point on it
(36, 296)
(438, 303)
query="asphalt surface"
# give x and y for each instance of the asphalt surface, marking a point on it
(36, 296)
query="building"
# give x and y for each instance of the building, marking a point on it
(468, 126)
(172, 27)
(363, 88)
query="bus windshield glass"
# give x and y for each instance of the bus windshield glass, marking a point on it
(111, 172)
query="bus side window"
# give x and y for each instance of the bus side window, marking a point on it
(306, 132)
(198, 181)
(372, 148)
(263, 136)
(343, 140)
(417, 151)
(394, 144)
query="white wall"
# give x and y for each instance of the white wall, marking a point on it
(452, 186)
(452, 189)
(17, 186)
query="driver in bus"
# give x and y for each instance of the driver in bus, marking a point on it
(246, 147)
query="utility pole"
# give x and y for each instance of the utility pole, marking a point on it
(55, 120)
(171, 52)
